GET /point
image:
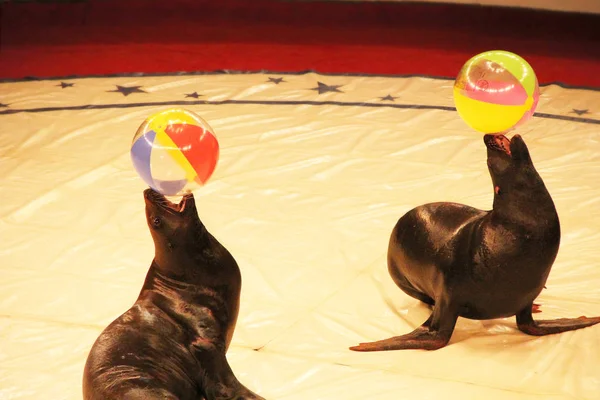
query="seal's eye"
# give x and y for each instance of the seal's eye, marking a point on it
(156, 222)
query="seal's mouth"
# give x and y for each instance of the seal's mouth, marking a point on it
(162, 202)
(498, 143)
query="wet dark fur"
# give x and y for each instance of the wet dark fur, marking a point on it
(479, 264)
(171, 343)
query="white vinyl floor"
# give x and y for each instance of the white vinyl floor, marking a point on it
(314, 172)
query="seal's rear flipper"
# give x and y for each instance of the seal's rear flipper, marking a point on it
(432, 335)
(218, 380)
(227, 388)
(527, 325)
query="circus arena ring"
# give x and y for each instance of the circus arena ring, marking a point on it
(318, 161)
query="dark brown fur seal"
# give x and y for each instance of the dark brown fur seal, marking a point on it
(479, 264)
(171, 343)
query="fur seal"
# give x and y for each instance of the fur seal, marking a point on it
(479, 264)
(171, 343)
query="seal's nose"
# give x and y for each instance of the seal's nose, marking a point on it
(147, 193)
(152, 195)
(497, 142)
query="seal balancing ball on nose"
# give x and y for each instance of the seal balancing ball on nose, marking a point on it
(496, 91)
(479, 264)
(175, 151)
(172, 342)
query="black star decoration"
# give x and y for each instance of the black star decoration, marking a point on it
(195, 95)
(580, 112)
(389, 97)
(126, 91)
(66, 85)
(276, 81)
(323, 88)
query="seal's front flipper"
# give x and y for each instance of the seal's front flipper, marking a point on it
(432, 335)
(218, 380)
(421, 338)
(527, 325)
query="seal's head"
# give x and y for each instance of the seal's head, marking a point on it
(174, 227)
(509, 163)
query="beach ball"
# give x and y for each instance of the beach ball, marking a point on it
(174, 151)
(496, 91)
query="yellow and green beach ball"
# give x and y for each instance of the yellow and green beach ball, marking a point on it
(496, 91)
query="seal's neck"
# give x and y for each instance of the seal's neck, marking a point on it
(166, 284)
(181, 266)
(181, 253)
(532, 207)
(200, 260)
